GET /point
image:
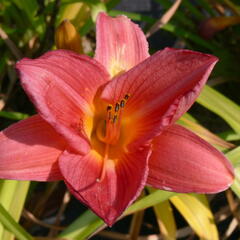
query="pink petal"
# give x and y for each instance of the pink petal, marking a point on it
(123, 181)
(29, 150)
(121, 44)
(62, 85)
(161, 89)
(183, 162)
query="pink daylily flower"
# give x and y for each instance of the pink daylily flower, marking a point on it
(106, 126)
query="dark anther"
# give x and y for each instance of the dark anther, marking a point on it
(122, 103)
(117, 106)
(126, 97)
(109, 108)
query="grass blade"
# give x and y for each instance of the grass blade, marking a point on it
(88, 223)
(10, 224)
(221, 105)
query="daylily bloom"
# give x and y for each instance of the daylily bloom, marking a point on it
(106, 125)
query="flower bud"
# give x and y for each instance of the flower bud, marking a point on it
(67, 37)
(209, 27)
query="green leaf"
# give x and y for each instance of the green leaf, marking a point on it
(221, 105)
(97, 8)
(207, 7)
(10, 224)
(29, 6)
(85, 1)
(133, 16)
(179, 16)
(193, 9)
(149, 201)
(85, 29)
(9, 189)
(229, 136)
(83, 226)
(189, 122)
(77, 13)
(112, 3)
(13, 115)
(182, 33)
(234, 157)
(165, 218)
(88, 223)
(236, 185)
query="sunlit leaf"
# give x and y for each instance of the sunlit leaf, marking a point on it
(165, 219)
(133, 16)
(234, 157)
(77, 13)
(96, 9)
(149, 201)
(9, 189)
(236, 184)
(195, 209)
(221, 105)
(204, 133)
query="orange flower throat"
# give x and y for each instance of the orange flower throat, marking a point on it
(109, 130)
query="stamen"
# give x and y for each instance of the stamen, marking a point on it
(109, 130)
(109, 107)
(114, 118)
(122, 103)
(126, 97)
(117, 106)
(109, 115)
